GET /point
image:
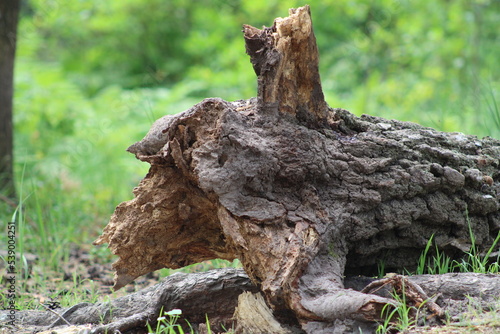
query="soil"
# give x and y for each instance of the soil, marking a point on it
(79, 278)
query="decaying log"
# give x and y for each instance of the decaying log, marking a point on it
(301, 193)
(215, 293)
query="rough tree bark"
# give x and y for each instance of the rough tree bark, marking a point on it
(215, 294)
(301, 193)
(9, 14)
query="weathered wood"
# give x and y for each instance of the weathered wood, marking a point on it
(285, 59)
(253, 316)
(301, 193)
(215, 293)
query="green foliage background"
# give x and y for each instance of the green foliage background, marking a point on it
(91, 76)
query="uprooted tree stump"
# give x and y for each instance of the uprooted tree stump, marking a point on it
(301, 193)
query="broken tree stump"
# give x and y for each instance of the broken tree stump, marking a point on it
(301, 193)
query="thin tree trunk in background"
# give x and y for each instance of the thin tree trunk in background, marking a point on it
(9, 16)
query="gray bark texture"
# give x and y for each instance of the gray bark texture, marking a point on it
(230, 299)
(301, 193)
(213, 293)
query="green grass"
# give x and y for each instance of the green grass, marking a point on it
(476, 316)
(472, 261)
(475, 320)
(400, 318)
(168, 323)
(476, 263)
(43, 290)
(203, 266)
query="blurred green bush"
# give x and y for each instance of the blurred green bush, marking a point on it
(433, 62)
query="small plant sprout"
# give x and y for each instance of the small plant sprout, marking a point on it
(167, 324)
(476, 263)
(473, 261)
(399, 318)
(422, 261)
(207, 323)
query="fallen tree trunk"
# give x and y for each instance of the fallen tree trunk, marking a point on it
(301, 193)
(215, 294)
